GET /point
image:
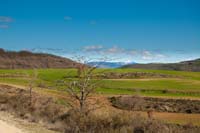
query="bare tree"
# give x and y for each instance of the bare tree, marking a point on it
(81, 89)
(32, 78)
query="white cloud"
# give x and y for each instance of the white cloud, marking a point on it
(93, 48)
(160, 55)
(114, 50)
(132, 52)
(128, 54)
(145, 54)
(149, 55)
(4, 20)
(113, 53)
(49, 50)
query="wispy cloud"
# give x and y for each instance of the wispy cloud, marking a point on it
(93, 48)
(113, 53)
(147, 55)
(116, 51)
(48, 50)
(67, 18)
(5, 19)
(4, 26)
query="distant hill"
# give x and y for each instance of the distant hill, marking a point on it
(27, 60)
(193, 65)
(105, 64)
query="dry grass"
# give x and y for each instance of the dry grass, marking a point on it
(104, 119)
(174, 118)
(177, 118)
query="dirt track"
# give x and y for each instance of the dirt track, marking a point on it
(7, 128)
(11, 124)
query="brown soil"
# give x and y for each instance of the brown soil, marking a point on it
(157, 104)
(132, 75)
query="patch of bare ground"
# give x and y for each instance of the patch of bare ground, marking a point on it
(137, 103)
(132, 75)
(8, 128)
(143, 79)
(11, 124)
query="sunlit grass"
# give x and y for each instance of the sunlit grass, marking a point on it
(187, 82)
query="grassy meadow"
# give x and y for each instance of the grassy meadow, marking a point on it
(177, 84)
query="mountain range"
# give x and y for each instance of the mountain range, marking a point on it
(104, 64)
(192, 65)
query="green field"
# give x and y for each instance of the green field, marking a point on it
(185, 84)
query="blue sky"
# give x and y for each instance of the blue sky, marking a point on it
(124, 30)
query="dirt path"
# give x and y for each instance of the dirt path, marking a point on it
(7, 128)
(10, 124)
